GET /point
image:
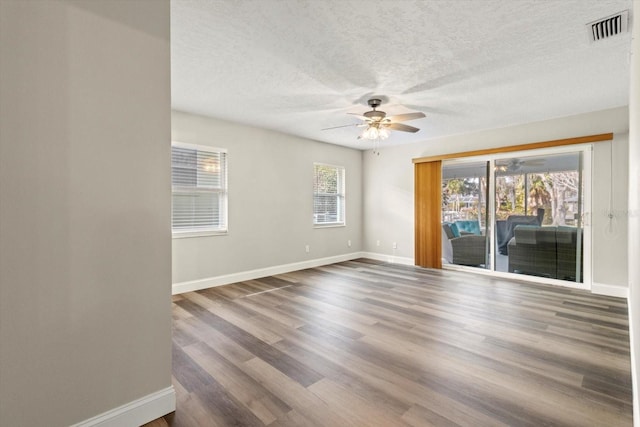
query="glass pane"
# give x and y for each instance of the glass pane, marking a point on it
(195, 168)
(326, 179)
(464, 214)
(197, 211)
(325, 208)
(209, 169)
(538, 203)
(183, 167)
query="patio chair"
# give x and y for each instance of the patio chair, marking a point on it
(467, 249)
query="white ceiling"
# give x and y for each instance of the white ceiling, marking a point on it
(298, 66)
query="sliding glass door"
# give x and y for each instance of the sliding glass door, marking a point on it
(516, 214)
(465, 223)
(538, 211)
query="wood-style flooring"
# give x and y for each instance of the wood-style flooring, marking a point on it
(362, 343)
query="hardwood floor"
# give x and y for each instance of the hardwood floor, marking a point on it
(362, 343)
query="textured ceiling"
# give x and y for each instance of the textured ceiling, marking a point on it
(298, 66)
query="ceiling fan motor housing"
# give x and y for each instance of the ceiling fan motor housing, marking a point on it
(375, 115)
(374, 103)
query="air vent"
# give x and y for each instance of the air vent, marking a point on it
(608, 27)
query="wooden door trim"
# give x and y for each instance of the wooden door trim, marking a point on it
(522, 147)
(428, 210)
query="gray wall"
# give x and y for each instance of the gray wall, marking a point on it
(85, 320)
(389, 185)
(270, 201)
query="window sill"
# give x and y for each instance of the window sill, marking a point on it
(330, 225)
(188, 234)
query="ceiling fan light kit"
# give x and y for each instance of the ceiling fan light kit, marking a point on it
(375, 132)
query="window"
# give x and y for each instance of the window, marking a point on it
(328, 195)
(198, 189)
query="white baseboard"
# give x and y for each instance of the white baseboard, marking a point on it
(610, 290)
(634, 372)
(210, 282)
(136, 413)
(388, 258)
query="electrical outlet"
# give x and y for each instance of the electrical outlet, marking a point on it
(306, 248)
(395, 245)
(377, 242)
(349, 243)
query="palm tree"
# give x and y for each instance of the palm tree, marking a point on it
(560, 186)
(539, 197)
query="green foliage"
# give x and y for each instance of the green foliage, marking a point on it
(326, 179)
(460, 195)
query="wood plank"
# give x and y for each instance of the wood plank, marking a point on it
(263, 404)
(295, 395)
(341, 400)
(160, 422)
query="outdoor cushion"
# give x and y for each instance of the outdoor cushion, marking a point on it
(526, 234)
(446, 226)
(566, 234)
(454, 229)
(470, 226)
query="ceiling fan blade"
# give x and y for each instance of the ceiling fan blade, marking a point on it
(343, 126)
(361, 117)
(406, 117)
(402, 128)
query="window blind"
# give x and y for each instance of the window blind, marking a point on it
(199, 189)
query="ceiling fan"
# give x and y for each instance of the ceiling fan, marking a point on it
(515, 164)
(378, 126)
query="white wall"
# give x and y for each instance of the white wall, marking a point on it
(634, 208)
(610, 236)
(388, 178)
(85, 315)
(270, 201)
